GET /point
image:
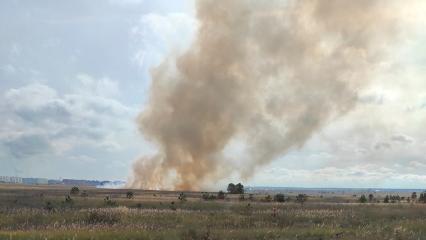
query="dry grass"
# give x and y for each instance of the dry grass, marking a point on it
(151, 215)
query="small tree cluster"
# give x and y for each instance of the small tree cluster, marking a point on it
(208, 196)
(49, 206)
(370, 197)
(182, 197)
(221, 195)
(301, 198)
(74, 191)
(392, 199)
(422, 197)
(109, 202)
(267, 198)
(414, 196)
(279, 198)
(84, 194)
(130, 195)
(235, 188)
(363, 199)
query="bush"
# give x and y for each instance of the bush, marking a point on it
(130, 194)
(279, 198)
(386, 200)
(235, 188)
(74, 191)
(301, 198)
(207, 196)
(99, 216)
(182, 197)
(172, 206)
(68, 202)
(49, 206)
(242, 197)
(251, 197)
(268, 198)
(109, 202)
(221, 195)
(363, 199)
(84, 194)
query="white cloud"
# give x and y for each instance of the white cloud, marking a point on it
(402, 139)
(40, 122)
(103, 87)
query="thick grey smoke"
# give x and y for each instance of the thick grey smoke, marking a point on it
(269, 72)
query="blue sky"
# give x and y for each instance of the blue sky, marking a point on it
(75, 75)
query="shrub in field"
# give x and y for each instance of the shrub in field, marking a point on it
(68, 202)
(235, 188)
(207, 196)
(221, 195)
(301, 198)
(395, 198)
(414, 196)
(173, 206)
(130, 194)
(363, 199)
(102, 216)
(74, 191)
(268, 198)
(279, 197)
(422, 197)
(386, 200)
(370, 197)
(182, 197)
(84, 194)
(242, 197)
(191, 233)
(109, 202)
(49, 206)
(251, 197)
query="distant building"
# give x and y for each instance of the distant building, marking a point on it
(35, 181)
(78, 182)
(7, 179)
(54, 182)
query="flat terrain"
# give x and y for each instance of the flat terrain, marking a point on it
(45, 212)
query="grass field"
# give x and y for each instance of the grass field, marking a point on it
(44, 213)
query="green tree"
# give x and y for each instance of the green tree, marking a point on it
(301, 198)
(363, 199)
(130, 194)
(220, 195)
(279, 198)
(370, 197)
(386, 200)
(84, 194)
(74, 190)
(239, 188)
(231, 188)
(182, 197)
(414, 196)
(268, 198)
(49, 206)
(235, 188)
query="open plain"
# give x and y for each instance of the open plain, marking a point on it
(46, 212)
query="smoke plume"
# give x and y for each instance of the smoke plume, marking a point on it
(270, 73)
